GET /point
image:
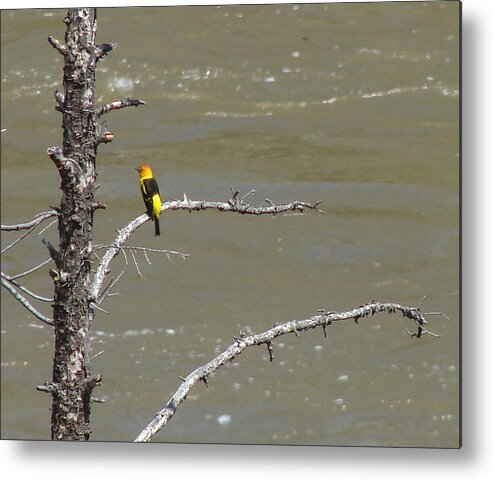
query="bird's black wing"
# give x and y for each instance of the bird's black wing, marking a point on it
(149, 189)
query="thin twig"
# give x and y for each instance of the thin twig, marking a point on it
(250, 193)
(25, 303)
(437, 313)
(147, 258)
(31, 270)
(136, 264)
(426, 332)
(163, 416)
(145, 249)
(97, 354)
(46, 228)
(97, 307)
(124, 255)
(26, 290)
(107, 289)
(17, 240)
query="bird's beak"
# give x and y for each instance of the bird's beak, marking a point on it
(136, 168)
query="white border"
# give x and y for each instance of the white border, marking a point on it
(49, 460)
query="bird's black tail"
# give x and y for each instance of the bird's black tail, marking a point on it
(156, 227)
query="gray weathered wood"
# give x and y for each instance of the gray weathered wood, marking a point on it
(323, 319)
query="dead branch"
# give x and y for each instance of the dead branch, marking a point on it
(238, 205)
(113, 249)
(323, 319)
(118, 104)
(235, 204)
(24, 302)
(38, 218)
(9, 282)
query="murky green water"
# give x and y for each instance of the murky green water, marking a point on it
(355, 105)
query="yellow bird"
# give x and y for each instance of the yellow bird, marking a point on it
(150, 193)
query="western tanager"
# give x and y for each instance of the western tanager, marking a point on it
(150, 193)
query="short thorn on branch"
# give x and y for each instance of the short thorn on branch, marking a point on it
(97, 400)
(48, 387)
(106, 137)
(64, 165)
(60, 100)
(234, 195)
(54, 254)
(55, 153)
(98, 206)
(315, 207)
(324, 328)
(92, 382)
(103, 49)
(57, 45)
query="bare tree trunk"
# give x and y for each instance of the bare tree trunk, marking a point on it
(72, 380)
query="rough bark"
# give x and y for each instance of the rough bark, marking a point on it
(72, 380)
